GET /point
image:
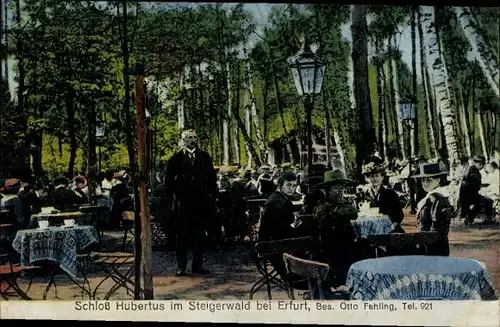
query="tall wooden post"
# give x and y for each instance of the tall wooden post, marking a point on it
(146, 257)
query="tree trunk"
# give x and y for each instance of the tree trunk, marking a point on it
(415, 137)
(70, 112)
(463, 119)
(181, 113)
(254, 114)
(236, 132)
(395, 95)
(480, 49)
(423, 73)
(482, 137)
(379, 64)
(441, 86)
(23, 117)
(280, 109)
(248, 127)
(327, 127)
(130, 148)
(225, 122)
(359, 30)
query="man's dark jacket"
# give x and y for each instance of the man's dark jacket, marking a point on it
(277, 217)
(191, 185)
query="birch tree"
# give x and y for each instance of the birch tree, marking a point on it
(440, 80)
(480, 49)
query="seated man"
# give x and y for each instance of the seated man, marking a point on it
(278, 216)
(333, 217)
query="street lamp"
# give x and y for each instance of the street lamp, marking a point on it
(307, 73)
(408, 114)
(100, 132)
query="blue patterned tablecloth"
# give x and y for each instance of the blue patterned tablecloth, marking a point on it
(369, 226)
(420, 278)
(58, 244)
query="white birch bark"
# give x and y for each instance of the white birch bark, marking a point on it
(248, 127)
(225, 123)
(254, 114)
(350, 82)
(440, 84)
(480, 50)
(463, 124)
(339, 146)
(480, 126)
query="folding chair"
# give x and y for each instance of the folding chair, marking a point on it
(314, 271)
(10, 272)
(118, 266)
(267, 249)
(403, 242)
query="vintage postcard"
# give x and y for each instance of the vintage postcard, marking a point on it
(249, 162)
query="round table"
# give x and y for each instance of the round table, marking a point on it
(420, 278)
(366, 225)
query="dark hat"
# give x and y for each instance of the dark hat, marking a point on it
(61, 180)
(479, 159)
(430, 170)
(335, 177)
(373, 167)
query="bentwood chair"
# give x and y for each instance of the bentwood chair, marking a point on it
(268, 249)
(316, 274)
(402, 243)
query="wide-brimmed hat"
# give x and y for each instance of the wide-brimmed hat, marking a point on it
(430, 170)
(372, 167)
(479, 159)
(10, 184)
(80, 179)
(61, 180)
(335, 177)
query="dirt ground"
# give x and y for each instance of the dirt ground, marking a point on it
(233, 272)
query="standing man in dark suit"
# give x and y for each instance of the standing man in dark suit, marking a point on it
(190, 182)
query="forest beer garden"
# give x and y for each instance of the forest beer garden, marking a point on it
(72, 69)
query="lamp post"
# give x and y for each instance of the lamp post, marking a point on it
(100, 130)
(307, 73)
(408, 114)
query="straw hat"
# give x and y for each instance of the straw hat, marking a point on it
(335, 177)
(430, 170)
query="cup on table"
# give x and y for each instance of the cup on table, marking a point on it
(69, 222)
(47, 209)
(43, 224)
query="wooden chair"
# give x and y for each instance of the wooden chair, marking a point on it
(403, 241)
(128, 218)
(267, 249)
(314, 271)
(10, 272)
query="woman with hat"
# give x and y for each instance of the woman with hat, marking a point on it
(10, 201)
(381, 197)
(332, 217)
(434, 211)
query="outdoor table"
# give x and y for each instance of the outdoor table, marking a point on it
(368, 225)
(56, 244)
(420, 278)
(79, 217)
